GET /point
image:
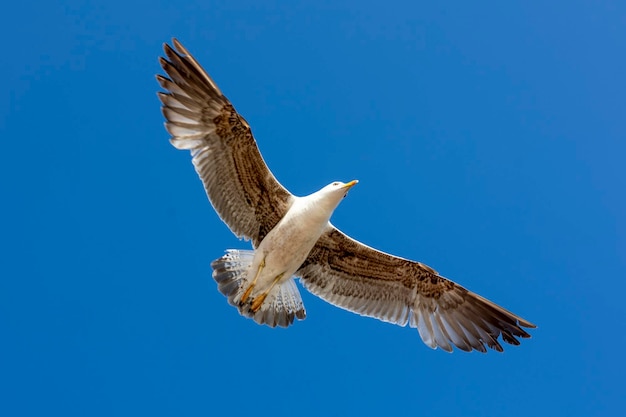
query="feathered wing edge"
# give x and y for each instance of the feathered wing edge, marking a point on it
(240, 186)
(371, 283)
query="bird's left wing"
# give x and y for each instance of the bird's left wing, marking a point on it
(200, 118)
(369, 282)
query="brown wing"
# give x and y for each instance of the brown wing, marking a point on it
(200, 118)
(363, 280)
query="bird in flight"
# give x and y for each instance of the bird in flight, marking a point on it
(293, 237)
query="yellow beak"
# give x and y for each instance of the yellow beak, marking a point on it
(351, 184)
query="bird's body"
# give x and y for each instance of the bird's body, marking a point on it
(287, 245)
(281, 253)
(293, 236)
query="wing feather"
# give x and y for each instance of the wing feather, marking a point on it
(240, 186)
(372, 283)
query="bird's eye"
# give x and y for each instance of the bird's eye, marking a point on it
(336, 183)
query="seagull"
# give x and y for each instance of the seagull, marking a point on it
(292, 236)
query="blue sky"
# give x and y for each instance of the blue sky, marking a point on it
(489, 142)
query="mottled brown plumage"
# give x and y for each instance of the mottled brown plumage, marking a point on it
(338, 269)
(237, 181)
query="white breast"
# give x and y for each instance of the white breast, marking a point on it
(285, 247)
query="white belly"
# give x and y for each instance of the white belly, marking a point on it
(285, 247)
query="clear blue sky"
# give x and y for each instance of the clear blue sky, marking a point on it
(489, 141)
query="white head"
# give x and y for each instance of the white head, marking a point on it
(331, 195)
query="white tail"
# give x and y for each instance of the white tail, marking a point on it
(281, 306)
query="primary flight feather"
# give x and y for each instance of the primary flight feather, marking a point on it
(292, 236)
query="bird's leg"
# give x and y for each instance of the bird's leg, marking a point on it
(256, 304)
(247, 292)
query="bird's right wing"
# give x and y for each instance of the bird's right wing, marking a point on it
(369, 282)
(201, 119)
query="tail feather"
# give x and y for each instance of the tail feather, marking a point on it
(230, 273)
(281, 306)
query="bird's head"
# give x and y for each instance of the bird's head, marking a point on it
(334, 192)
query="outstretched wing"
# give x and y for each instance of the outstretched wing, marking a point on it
(200, 118)
(363, 280)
